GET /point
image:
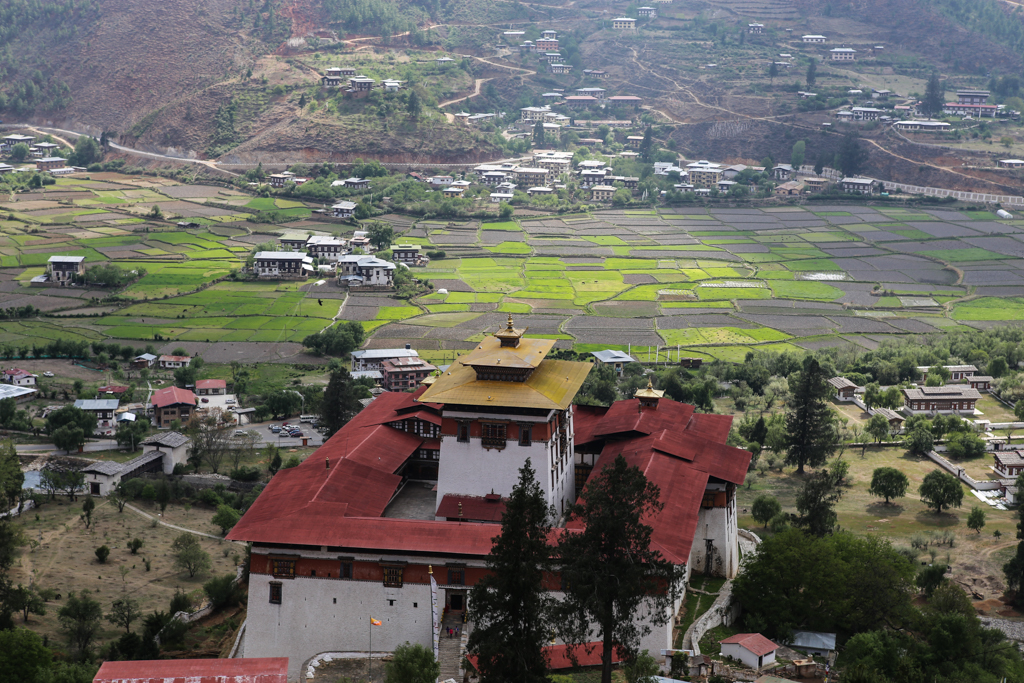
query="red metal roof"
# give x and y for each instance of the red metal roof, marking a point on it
(253, 670)
(170, 396)
(112, 389)
(478, 508)
(211, 384)
(754, 642)
(175, 359)
(625, 416)
(558, 655)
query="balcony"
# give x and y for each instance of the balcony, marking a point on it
(494, 442)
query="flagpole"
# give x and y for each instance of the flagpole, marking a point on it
(369, 658)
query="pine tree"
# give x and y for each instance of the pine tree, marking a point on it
(811, 434)
(812, 73)
(851, 157)
(538, 133)
(510, 606)
(615, 583)
(340, 403)
(646, 146)
(934, 96)
(773, 71)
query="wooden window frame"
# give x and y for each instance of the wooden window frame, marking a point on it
(394, 575)
(282, 570)
(525, 434)
(276, 590)
(462, 431)
(457, 577)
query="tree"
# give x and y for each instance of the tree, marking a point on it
(102, 553)
(226, 518)
(210, 442)
(63, 474)
(26, 601)
(819, 165)
(380, 234)
(838, 583)
(135, 544)
(934, 96)
(812, 438)
(878, 428)
(510, 605)
(70, 416)
(505, 211)
(919, 441)
(339, 340)
(635, 585)
(20, 152)
(414, 105)
(643, 669)
(123, 612)
(23, 656)
(976, 520)
(341, 401)
(189, 555)
(852, 156)
(647, 147)
(816, 503)
(12, 479)
(796, 158)
(812, 74)
(965, 445)
(87, 507)
(129, 434)
(941, 490)
(223, 591)
(773, 71)
(412, 663)
(87, 151)
(764, 508)
(538, 133)
(888, 482)
(79, 620)
(68, 438)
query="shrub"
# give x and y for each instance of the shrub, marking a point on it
(245, 474)
(180, 602)
(209, 497)
(180, 469)
(223, 591)
(135, 544)
(292, 462)
(149, 493)
(102, 553)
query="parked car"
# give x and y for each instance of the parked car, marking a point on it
(47, 374)
(229, 401)
(239, 432)
(275, 430)
(205, 400)
(271, 427)
(296, 434)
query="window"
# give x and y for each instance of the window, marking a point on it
(525, 435)
(463, 432)
(456, 577)
(283, 569)
(346, 570)
(393, 576)
(312, 572)
(493, 435)
(275, 592)
(709, 499)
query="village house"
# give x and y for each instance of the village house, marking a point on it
(980, 382)
(595, 73)
(539, 190)
(145, 360)
(842, 54)
(813, 38)
(211, 387)
(883, 94)
(560, 68)
(19, 394)
(602, 193)
(926, 126)
(624, 24)
(634, 141)
(6, 168)
(324, 552)
(1011, 163)
(535, 176)
(866, 113)
(44, 149)
(391, 85)
(894, 419)
(356, 270)
(279, 179)
(103, 476)
(725, 185)
(591, 177)
(400, 374)
(19, 378)
(326, 249)
(63, 270)
(439, 181)
(647, 13)
(1009, 464)
(547, 44)
(498, 197)
(816, 185)
(858, 185)
(356, 183)
(956, 372)
(789, 188)
(782, 172)
(50, 163)
(948, 399)
(551, 58)
(598, 93)
(294, 241)
(103, 409)
(360, 84)
(493, 178)
(334, 76)
(975, 110)
(373, 359)
(453, 192)
(549, 34)
(170, 404)
(752, 649)
(972, 96)
(630, 100)
(755, 29)
(111, 390)
(173, 362)
(282, 265)
(704, 174)
(343, 209)
(10, 141)
(406, 253)
(615, 359)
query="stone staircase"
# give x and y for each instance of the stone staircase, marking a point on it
(451, 650)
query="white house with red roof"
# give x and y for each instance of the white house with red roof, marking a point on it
(173, 362)
(254, 670)
(19, 377)
(211, 387)
(413, 487)
(170, 404)
(752, 649)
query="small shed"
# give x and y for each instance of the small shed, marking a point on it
(844, 388)
(752, 649)
(813, 642)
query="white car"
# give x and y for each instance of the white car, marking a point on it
(47, 374)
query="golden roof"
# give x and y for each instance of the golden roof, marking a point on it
(511, 335)
(552, 386)
(649, 391)
(492, 352)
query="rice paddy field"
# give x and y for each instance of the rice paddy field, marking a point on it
(695, 281)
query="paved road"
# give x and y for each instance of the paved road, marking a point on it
(266, 436)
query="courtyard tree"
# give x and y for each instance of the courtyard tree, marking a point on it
(976, 520)
(635, 585)
(412, 663)
(941, 490)
(123, 612)
(341, 401)
(79, 620)
(811, 437)
(878, 428)
(510, 605)
(962, 445)
(919, 441)
(189, 555)
(816, 503)
(888, 482)
(765, 507)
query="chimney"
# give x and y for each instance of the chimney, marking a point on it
(408, 347)
(327, 463)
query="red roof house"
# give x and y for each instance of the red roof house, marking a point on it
(254, 670)
(211, 387)
(752, 649)
(172, 403)
(112, 389)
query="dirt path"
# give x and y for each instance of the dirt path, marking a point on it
(475, 93)
(129, 506)
(922, 163)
